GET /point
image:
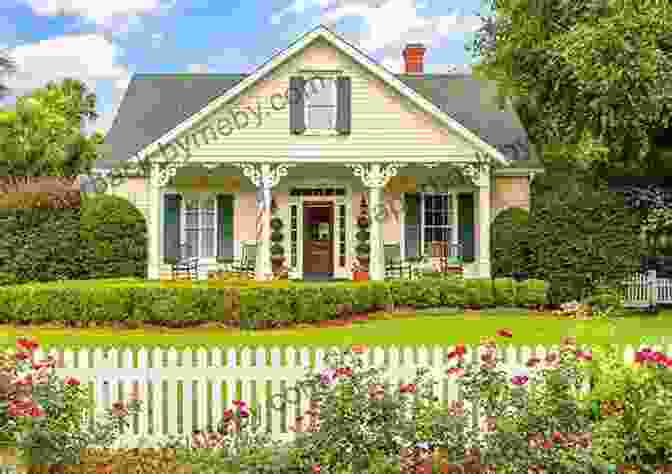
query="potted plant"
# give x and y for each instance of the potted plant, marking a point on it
(360, 272)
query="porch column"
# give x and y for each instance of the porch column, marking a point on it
(154, 223)
(264, 177)
(484, 205)
(376, 177)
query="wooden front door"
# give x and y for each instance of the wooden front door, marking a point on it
(318, 237)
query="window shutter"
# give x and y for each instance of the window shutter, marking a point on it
(171, 226)
(412, 225)
(465, 209)
(296, 96)
(225, 225)
(343, 109)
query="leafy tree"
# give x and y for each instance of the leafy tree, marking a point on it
(42, 135)
(591, 80)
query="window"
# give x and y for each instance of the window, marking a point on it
(437, 219)
(321, 100)
(199, 227)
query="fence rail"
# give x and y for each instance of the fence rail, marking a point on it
(645, 290)
(208, 379)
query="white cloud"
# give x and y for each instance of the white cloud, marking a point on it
(197, 68)
(298, 7)
(89, 58)
(97, 11)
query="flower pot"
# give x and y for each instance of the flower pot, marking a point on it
(360, 276)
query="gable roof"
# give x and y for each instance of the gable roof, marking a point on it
(159, 106)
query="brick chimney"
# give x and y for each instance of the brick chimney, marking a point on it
(413, 57)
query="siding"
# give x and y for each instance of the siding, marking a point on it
(383, 123)
(510, 191)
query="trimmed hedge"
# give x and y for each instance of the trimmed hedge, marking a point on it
(185, 304)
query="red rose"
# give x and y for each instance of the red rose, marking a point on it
(22, 355)
(71, 380)
(505, 333)
(25, 343)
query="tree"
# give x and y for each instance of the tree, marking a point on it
(591, 80)
(7, 66)
(42, 135)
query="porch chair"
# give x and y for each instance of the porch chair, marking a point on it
(184, 264)
(450, 255)
(395, 266)
(246, 265)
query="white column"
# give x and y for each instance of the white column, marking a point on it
(265, 177)
(484, 224)
(377, 261)
(264, 270)
(153, 224)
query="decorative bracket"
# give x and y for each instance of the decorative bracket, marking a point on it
(264, 175)
(375, 175)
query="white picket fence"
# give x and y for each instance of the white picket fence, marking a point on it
(201, 373)
(646, 290)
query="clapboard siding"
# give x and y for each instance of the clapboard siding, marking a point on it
(383, 122)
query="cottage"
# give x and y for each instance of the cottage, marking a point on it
(315, 129)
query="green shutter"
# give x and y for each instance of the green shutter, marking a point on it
(412, 224)
(171, 226)
(343, 111)
(225, 225)
(465, 209)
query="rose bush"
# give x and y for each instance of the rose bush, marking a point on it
(538, 417)
(42, 414)
(633, 424)
(355, 424)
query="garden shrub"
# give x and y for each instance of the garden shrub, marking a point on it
(508, 242)
(503, 291)
(114, 237)
(582, 241)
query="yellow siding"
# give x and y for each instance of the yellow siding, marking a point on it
(384, 124)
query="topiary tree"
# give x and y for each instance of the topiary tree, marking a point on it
(582, 240)
(507, 244)
(114, 237)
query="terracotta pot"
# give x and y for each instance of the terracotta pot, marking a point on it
(360, 276)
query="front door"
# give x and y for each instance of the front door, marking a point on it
(318, 238)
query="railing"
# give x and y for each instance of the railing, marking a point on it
(206, 380)
(647, 290)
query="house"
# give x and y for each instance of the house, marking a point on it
(316, 128)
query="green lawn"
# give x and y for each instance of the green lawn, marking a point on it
(422, 329)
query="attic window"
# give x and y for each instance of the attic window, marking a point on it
(321, 103)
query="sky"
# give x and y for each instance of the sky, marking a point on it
(104, 42)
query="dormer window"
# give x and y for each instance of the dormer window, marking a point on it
(321, 103)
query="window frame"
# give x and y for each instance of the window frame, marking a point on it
(333, 77)
(201, 213)
(450, 210)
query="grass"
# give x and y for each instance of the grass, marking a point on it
(422, 328)
(442, 327)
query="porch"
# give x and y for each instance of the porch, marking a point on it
(220, 209)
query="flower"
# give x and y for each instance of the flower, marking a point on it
(22, 355)
(459, 371)
(456, 408)
(407, 388)
(505, 332)
(358, 349)
(26, 343)
(519, 379)
(458, 352)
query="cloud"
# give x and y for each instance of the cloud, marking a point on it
(91, 58)
(117, 17)
(388, 24)
(95, 11)
(197, 68)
